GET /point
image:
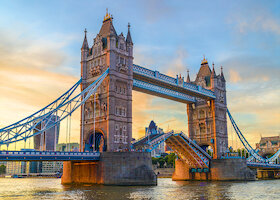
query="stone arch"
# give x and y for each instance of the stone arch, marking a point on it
(95, 141)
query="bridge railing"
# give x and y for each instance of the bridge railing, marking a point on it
(163, 91)
(173, 81)
(47, 153)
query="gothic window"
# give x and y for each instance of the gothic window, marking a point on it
(122, 60)
(120, 90)
(202, 128)
(120, 130)
(201, 114)
(116, 111)
(116, 88)
(124, 90)
(124, 112)
(104, 43)
(117, 127)
(120, 111)
(115, 138)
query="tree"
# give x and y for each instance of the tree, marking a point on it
(161, 162)
(171, 159)
(154, 161)
(2, 169)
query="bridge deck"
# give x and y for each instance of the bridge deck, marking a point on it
(48, 156)
(156, 78)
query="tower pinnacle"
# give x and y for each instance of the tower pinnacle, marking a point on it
(85, 43)
(222, 74)
(128, 37)
(213, 70)
(188, 77)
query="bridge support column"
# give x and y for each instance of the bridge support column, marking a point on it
(114, 168)
(82, 172)
(231, 169)
(268, 174)
(182, 172)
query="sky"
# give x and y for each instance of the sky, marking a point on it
(40, 45)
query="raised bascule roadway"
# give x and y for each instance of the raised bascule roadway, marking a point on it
(107, 155)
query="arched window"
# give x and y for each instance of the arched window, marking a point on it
(201, 114)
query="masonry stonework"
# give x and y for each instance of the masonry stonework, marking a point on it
(207, 120)
(111, 128)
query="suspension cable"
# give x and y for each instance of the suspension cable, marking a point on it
(94, 123)
(69, 139)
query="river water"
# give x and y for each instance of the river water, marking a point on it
(42, 188)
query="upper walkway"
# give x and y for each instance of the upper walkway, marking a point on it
(156, 83)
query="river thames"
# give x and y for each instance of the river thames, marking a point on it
(31, 188)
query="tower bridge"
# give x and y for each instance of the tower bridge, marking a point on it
(107, 156)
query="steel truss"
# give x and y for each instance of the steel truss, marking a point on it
(43, 119)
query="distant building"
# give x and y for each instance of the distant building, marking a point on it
(68, 147)
(268, 145)
(152, 131)
(52, 167)
(45, 141)
(13, 167)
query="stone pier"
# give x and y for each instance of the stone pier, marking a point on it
(114, 168)
(268, 174)
(220, 170)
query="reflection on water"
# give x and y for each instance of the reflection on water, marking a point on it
(167, 189)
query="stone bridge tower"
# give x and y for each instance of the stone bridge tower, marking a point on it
(111, 128)
(207, 120)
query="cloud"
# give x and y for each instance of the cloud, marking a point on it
(156, 9)
(253, 92)
(234, 76)
(249, 20)
(43, 53)
(177, 64)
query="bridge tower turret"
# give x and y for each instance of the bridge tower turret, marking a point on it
(207, 120)
(84, 55)
(111, 127)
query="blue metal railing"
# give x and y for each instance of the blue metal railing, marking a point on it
(173, 81)
(47, 156)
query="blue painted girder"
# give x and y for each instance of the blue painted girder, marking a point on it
(174, 84)
(48, 156)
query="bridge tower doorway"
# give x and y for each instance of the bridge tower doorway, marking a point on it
(95, 142)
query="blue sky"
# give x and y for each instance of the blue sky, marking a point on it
(41, 40)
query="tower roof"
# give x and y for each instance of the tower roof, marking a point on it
(204, 71)
(107, 28)
(85, 43)
(128, 37)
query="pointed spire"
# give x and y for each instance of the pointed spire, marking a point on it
(188, 77)
(222, 74)
(85, 43)
(128, 37)
(213, 70)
